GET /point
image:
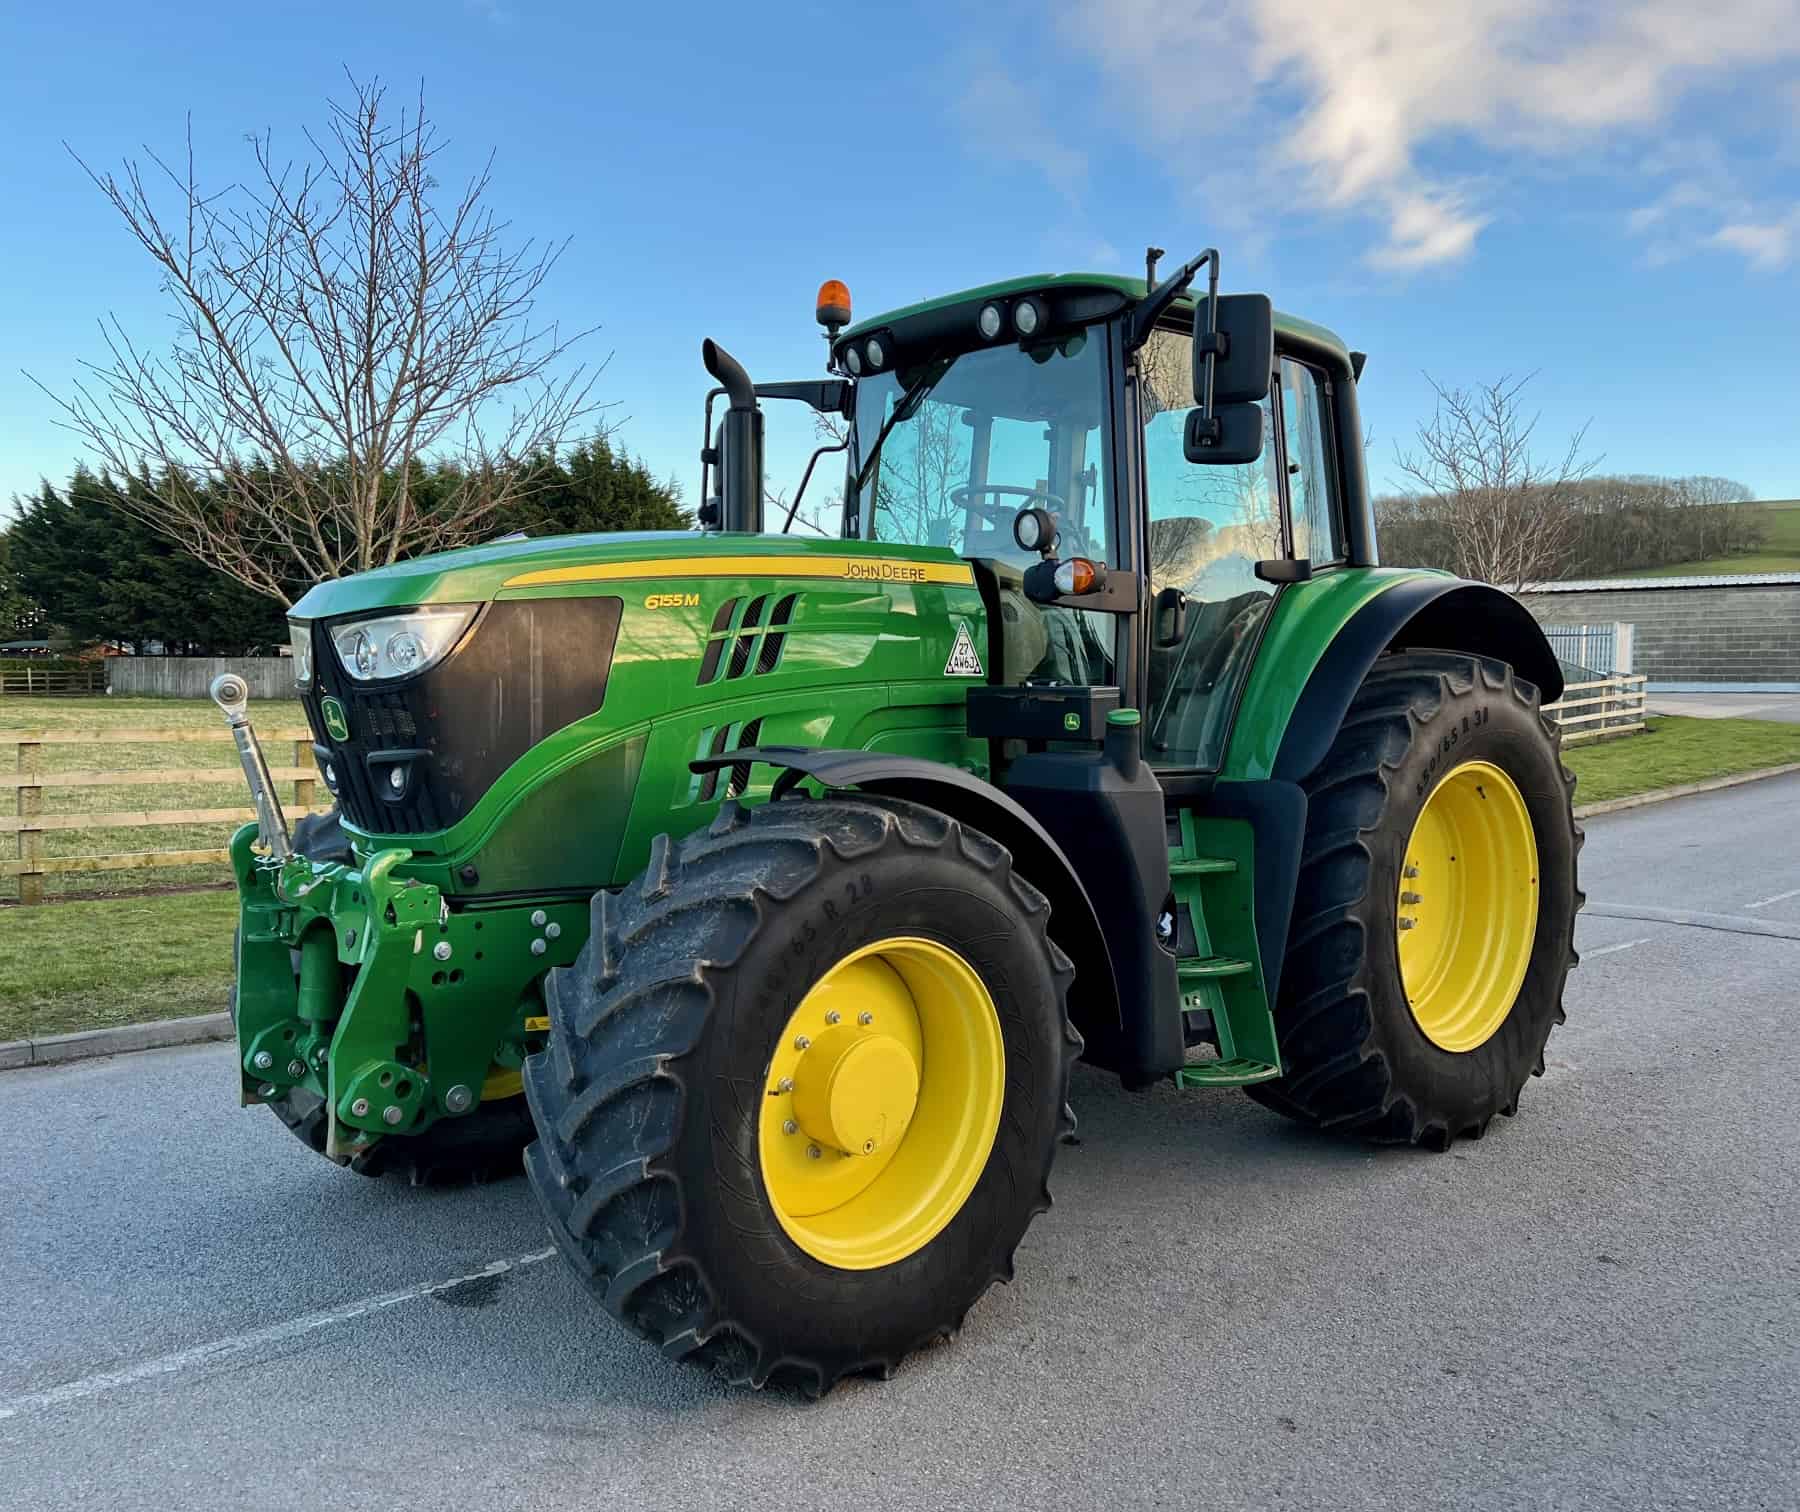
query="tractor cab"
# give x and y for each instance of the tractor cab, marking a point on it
(1130, 499)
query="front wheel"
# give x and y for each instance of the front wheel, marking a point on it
(803, 1087)
(1434, 922)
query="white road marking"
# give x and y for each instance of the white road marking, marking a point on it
(1590, 955)
(1792, 892)
(237, 1344)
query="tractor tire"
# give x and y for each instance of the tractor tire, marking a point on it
(688, 1180)
(480, 1146)
(1420, 1032)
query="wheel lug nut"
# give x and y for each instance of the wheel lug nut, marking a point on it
(1411, 871)
(833, 1017)
(1406, 923)
(1410, 898)
(803, 1043)
(865, 1019)
(786, 1084)
(813, 1152)
(790, 1127)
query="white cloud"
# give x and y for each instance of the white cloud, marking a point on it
(1362, 100)
(1769, 245)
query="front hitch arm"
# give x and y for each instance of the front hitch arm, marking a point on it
(232, 694)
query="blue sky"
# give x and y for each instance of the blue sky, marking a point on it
(1609, 195)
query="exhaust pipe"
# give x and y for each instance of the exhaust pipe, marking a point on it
(738, 450)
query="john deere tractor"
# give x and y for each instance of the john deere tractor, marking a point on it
(762, 888)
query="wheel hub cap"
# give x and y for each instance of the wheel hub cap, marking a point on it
(855, 1090)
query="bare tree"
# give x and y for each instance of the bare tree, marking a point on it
(339, 322)
(1510, 515)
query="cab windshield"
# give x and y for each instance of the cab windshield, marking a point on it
(948, 452)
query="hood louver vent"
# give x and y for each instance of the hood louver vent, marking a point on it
(755, 643)
(737, 779)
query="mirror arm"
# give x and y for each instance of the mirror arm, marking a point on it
(805, 478)
(1151, 308)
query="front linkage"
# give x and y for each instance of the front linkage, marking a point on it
(362, 986)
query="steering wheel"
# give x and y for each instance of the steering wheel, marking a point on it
(963, 497)
(1068, 532)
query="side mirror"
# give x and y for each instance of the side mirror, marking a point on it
(1245, 342)
(1233, 435)
(1169, 619)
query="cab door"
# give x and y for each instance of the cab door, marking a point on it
(1205, 530)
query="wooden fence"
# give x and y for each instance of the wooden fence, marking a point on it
(191, 676)
(1606, 706)
(30, 780)
(21, 679)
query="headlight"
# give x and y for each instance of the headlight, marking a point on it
(300, 640)
(875, 353)
(400, 645)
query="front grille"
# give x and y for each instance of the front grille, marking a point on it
(525, 670)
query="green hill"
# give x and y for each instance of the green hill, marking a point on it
(1779, 552)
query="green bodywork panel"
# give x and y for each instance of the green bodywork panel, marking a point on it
(862, 665)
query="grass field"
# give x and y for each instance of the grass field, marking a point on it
(80, 964)
(1780, 551)
(1672, 751)
(71, 714)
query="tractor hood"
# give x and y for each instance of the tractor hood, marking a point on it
(576, 563)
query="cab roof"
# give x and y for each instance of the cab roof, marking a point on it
(1133, 289)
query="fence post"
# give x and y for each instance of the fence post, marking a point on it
(31, 841)
(305, 788)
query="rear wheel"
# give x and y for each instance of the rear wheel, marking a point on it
(482, 1145)
(803, 1088)
(1434, 922)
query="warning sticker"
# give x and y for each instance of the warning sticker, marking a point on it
(963, 660)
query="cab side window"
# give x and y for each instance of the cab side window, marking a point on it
(1312, 479)
(1208, 527)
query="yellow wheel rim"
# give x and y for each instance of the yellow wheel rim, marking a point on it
(1468, 906)
(881, 1103)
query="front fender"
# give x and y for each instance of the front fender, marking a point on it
(1074, 923)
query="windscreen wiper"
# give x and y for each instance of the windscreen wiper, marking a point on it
(904, 410)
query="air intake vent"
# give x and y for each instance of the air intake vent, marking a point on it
(755, 644)
(738, 775)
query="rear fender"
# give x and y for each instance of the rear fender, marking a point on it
(1422, 614)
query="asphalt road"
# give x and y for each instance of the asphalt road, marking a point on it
(1596, 1306)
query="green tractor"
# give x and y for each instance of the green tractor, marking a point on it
(763, 889)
